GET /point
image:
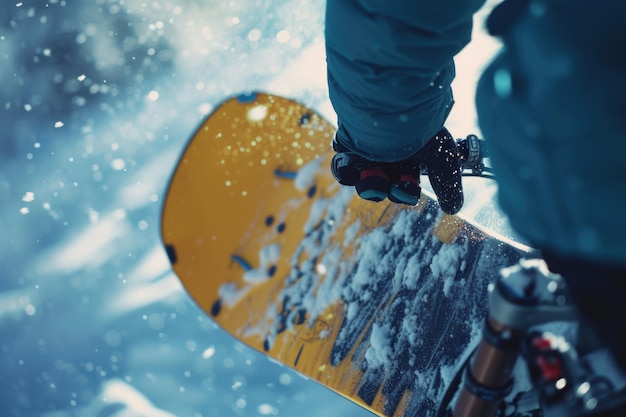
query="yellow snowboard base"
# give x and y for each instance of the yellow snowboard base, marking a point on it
(377, 301)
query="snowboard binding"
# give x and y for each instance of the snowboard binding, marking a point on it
(473, 151)
(567, 378)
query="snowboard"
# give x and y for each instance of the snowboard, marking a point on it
(379, 302)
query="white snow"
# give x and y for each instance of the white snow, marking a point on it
(392, 251)
(89, 248)
(379, 353)
(17, 303)
(447, 262)
(306, 174)
(117, 391)
(268, 255)
(230, 295)
(141, 294)
(28, 197)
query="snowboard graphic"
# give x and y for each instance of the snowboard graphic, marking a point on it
(376, 301)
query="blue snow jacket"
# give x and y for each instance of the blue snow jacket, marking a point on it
(553, 109)
(389, 70)
(552, 106)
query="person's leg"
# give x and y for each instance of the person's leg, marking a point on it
(599, 291)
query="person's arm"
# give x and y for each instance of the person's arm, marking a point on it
(390, 65)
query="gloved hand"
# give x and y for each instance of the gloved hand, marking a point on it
(399, 181)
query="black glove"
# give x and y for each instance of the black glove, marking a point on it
(399, 181)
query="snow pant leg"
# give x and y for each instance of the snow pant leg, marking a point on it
(600, 293)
